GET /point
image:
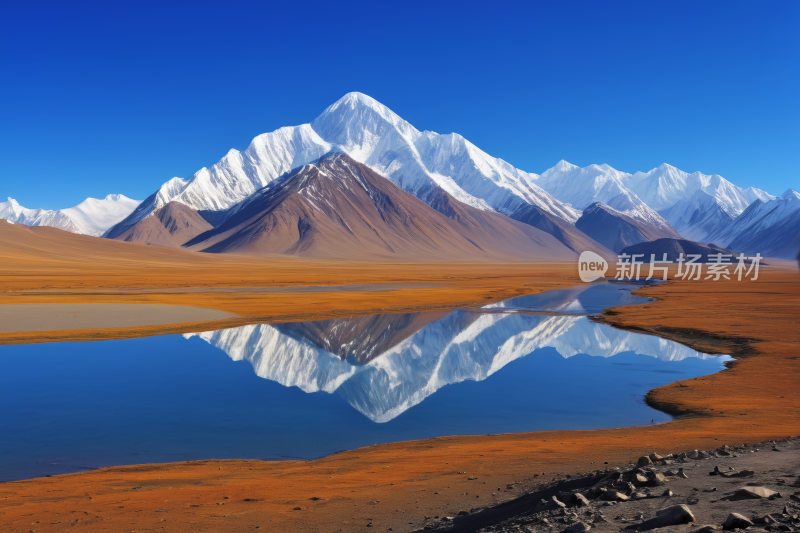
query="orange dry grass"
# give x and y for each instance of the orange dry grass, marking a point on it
(396, 485)
(45, 265)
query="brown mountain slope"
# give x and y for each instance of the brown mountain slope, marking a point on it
(573, 238)
(616, 230)
(339, 208)
(170, 226)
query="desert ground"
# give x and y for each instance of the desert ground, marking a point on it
(399, 486)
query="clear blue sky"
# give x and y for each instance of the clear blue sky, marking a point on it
(121, 96)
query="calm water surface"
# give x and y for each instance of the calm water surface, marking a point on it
(309, 389)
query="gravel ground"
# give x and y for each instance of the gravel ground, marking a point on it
(700, 490)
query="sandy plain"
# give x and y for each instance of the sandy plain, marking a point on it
(398, 485)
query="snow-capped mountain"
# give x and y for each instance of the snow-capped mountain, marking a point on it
(337, 207)
(369, 132)
(582, 187)
(15, 213)
(698, 217)
(373, 134)
(441, 351)
(771, 228)
(424, 163)
(696, 205)
(666, 185)
(90, 217)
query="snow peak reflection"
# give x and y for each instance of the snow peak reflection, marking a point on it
(690, 266)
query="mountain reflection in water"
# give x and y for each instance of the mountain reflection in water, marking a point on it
(382, 365)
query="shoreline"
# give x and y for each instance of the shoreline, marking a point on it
(420, 478)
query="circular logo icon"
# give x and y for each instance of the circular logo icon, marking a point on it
(591, 267)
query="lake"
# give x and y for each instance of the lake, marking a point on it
(308, 389)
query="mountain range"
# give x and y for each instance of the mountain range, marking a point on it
(337, 207)
(90, 217)
(621, 209)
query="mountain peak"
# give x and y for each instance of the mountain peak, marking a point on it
(357, 98)
(12, 201)
(564, 166)
(359, 101)
(790, 193)
(356, 116)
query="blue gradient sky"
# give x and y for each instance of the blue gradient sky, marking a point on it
(101, 98)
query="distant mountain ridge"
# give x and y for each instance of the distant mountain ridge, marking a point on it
(668, 201)
(90, 217)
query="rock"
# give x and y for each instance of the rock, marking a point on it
(707, 529)
(638, 495)
(547, 505)
(640, 478)
(580, 500)
(463, 513)
(655, 457)
(736, 521)
(580, 527)
(765, 520)
(614, 496)
(644, 461)
(668, 494)
(724, 451)
(671, 472)
(671, 516)
(682, 474)
(659, 479)
(757, 492)
(743, 473)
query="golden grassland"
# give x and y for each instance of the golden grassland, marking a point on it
(396, 485)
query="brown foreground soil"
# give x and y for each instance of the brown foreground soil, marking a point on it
(398, 485)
